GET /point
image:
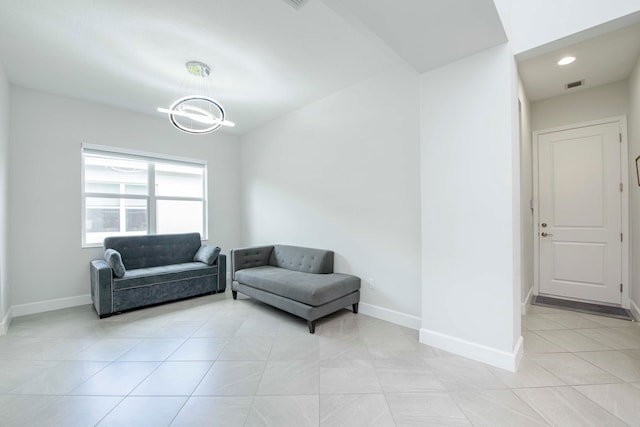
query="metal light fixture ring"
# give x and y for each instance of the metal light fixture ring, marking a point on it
(196, 114)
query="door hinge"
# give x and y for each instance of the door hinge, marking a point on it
(620, 137)
(621, 238)
(620, 287)
(621, 187)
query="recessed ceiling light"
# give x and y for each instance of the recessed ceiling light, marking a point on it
(567, 60)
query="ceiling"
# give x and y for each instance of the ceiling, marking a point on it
(267, 57)
(600, 60)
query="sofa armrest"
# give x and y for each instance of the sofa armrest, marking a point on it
(249, 257)
(101, 287)
(222, 273)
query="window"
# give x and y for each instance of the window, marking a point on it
(129, 193)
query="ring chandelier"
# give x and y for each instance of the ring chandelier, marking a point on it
(197, 114)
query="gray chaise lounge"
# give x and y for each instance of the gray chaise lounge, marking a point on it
(146, 270)
(298, 280)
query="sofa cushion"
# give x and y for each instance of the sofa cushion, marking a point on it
(307, 260)
(207, 254)
(113, 258)
(162, 274)
(310, 289)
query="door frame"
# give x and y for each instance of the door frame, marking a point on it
(624, 172)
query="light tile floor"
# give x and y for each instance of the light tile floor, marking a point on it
(215, 361)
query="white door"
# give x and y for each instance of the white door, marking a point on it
(580, 213)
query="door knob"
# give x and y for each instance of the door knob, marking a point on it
(544, 224)
(544, 234)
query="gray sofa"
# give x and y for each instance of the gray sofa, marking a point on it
(298, 280)
(139, 271)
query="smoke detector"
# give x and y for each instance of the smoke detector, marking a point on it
(296, 4)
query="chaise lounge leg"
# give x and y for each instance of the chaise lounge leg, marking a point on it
(234, 294)
(355, 308)
(312, 326)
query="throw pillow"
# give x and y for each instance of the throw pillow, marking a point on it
(114, 259)
(207, 254)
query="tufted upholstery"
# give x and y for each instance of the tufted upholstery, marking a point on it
(154, 250)
(250, 257)
(295, 279)
(159, 268)
(305, 260)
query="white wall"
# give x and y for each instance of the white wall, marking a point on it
(526, 194)
(343, 173)
(634, 151)
(46, 258)
(581, 106)
(537, 23)
(4, 200)
(470, 208)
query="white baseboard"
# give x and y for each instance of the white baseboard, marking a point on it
(402, 319)
(6, 321)
(523, 305)
(481, 353)
(50, 305)
(635, 310)
(381, 313)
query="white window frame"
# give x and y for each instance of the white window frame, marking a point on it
(151, 197)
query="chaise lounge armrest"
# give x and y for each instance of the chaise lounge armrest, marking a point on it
(242, 258)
